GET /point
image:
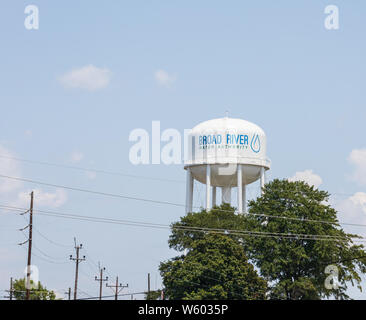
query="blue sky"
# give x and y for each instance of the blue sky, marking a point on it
(272, 63)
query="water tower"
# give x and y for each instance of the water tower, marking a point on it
(225, 153)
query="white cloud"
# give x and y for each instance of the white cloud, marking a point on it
(358, 158)
(353, 210)
(356, 204)
(308, 176)
(14, 190)
(8, 167)
(164, 78)
(89, 78)
(42, 198)
(77, 156)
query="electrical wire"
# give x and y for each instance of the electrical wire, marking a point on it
(107, 172)
(225, 231)
(46, 260)
(112, 296)
(145, 224)
(42, 252)
(85, 293)
(51, 241)
(90, 169)
(171, 203)
(91, 191)
(127, 294)
(48, 256)
(197, 229)
(194, 229)
(190, 229)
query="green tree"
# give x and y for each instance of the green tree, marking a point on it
(153, 295)
(296, 266)
(293, 266)
(38, 293)
(222, 217)
(214, 268)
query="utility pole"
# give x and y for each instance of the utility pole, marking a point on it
(29, 260)
(77, 261)
(68, 293)
(148, 286)
(29, 246)
(11, 290)
(117, 288)
(101, 281)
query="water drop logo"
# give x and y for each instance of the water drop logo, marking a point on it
(255, 144)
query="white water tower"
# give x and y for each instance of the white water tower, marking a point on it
(225, 153)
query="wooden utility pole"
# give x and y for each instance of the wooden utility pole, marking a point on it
(11, 290)
(117, 288)
(30, 227)
(77, 261)
(148, 286)
(101, 281)
(68, 293)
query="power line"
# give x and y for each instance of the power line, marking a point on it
(107, 172)
(187, 228)
(90, 265)
(111, 296)
(92, 260)
(44, 259)
(90, 169)
(197, 229)
(91, 191)
(51, 241)
(129, 222)
(85, 293)
(225, 231)
(170, 203)
(48, 256)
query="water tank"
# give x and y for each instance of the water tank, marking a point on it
(225, 153)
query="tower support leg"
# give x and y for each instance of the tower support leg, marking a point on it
(244, 198)
(240, 188)
(208, 186)
(213, 196)
(189, 191)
